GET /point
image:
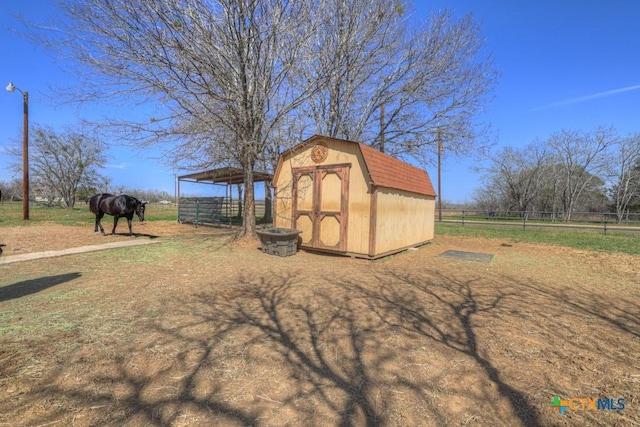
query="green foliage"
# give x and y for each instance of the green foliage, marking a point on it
(592, 240)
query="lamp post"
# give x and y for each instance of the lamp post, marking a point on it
(440, 150)
(25, 151)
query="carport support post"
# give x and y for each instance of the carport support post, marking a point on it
(230, 205)
(177, 196)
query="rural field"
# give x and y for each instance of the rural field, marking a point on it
(198, 329)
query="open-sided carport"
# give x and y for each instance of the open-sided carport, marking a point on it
(203, 210)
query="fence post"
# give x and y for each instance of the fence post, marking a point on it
(197, 212)
(463, 217)
(524, 220)
(604, 222)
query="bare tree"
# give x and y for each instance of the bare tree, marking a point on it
(212, 69)
(551, 183)
(488, 199)
(624, 170)
(394, 82)
(516, 175)
(12, 190)
(62, 162)
(220, 74)
(583, 160)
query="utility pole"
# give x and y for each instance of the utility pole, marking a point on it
(25, 150)
(382, 128)
(440, 150)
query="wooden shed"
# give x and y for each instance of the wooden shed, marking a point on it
(349, 198)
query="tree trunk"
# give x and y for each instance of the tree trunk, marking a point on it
(249, 218)
(240, 201)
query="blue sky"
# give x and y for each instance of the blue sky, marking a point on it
(570, 64)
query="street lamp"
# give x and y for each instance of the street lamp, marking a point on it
(25, 151)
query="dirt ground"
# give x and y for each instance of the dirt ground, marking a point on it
(200, 330)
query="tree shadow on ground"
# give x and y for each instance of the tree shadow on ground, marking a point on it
(328, 354)
(622, 314)
(32, 286)
(448, 319)
(304, 345)
(245, 352)
(387, 348)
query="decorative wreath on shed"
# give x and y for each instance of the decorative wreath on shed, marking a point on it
(319, 152)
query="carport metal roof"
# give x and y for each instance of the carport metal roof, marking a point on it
(226, 175)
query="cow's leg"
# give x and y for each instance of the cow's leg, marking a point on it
(115, 224)
(99, 216)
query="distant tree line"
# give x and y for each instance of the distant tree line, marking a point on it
(151, 196)
(64, 168)
(12, 191)
(571, 171)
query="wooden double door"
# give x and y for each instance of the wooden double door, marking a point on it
(320, 206)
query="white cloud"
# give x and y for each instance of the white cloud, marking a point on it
(587, 97)
(121, 166)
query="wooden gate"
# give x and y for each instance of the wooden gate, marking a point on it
(320, 200)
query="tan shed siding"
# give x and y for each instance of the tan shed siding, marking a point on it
(340, 152)
(359, 199)
(283, 197)
(404, 219)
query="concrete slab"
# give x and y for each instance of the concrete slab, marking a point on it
(468, 256)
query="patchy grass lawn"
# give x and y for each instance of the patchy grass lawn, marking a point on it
(593, 240)
(199, 330)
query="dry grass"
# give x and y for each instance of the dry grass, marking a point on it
(197, 331)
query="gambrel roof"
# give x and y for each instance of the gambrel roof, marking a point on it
(384, 170)
(389, 172)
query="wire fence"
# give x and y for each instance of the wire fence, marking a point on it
(604, 221)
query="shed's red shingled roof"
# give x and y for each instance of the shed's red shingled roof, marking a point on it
(384, 170)
(389, 172)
